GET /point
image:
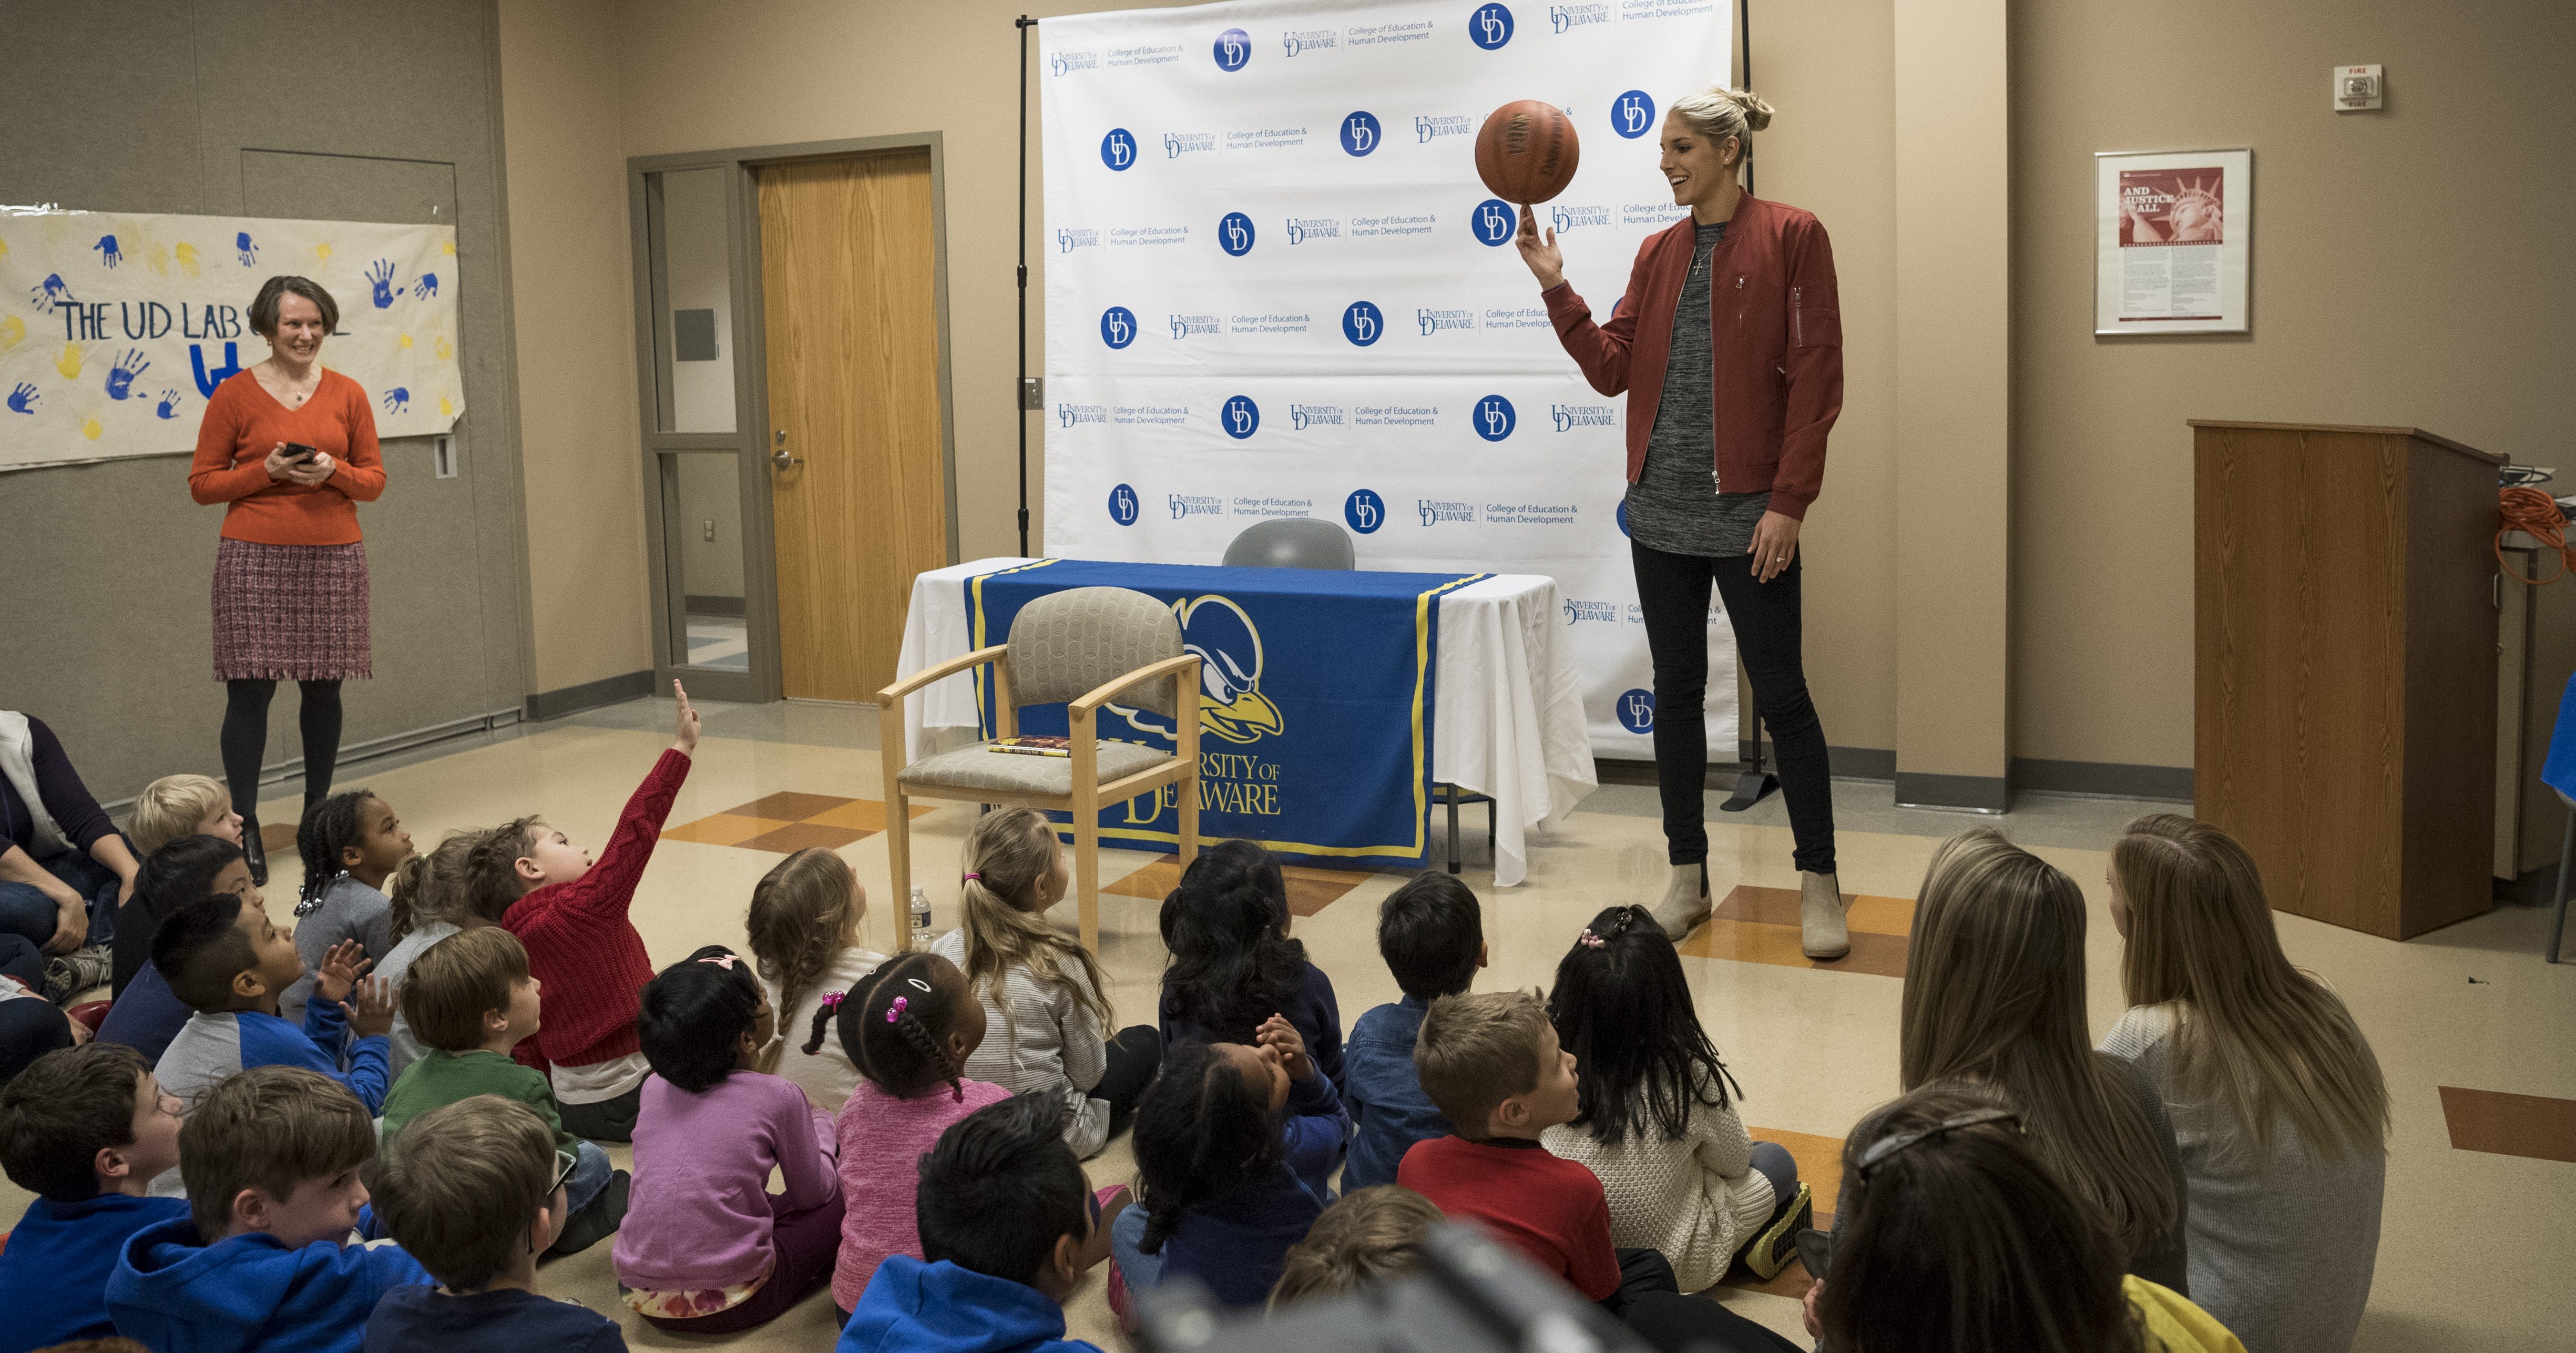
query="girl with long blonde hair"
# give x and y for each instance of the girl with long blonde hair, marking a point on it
(427, 902)
(804, 930)
(2277, 1101)
(1994, 993)
(1041, 990)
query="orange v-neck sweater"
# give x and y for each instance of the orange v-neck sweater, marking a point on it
(244, 421)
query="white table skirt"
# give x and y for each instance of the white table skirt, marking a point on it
(1509, 719)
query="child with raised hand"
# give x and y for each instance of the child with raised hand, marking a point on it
(909, 1028)
(229, 963)
(705, 1247)
(85, 1129)
(1431, 932)
(804, 927)
(263, 1261)
(1233, 963)
(1044, 991)
(351, 843)
(572, 916)
(476, 1194)
(472, 1000)
(1235, 1148)
(1654, 1120)
(1366, 1237)
(1007, 1226)
(146, 1016)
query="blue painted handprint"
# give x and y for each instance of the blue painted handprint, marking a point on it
(426, 287)
(23, 399)
(397, 399)
(108, 253)
(120, 379)
(244, 249)
(169, 405)
(381, 276)
(51, 292)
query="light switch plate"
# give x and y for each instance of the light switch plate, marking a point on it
(2359, 88)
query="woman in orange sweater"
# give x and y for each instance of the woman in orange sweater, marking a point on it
(290, 448)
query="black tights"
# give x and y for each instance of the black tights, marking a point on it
(246, 738)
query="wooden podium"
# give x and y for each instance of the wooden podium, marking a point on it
(2345, 666)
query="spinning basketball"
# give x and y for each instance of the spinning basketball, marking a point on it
(1526, 151)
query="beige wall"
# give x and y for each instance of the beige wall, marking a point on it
(574, 313)
(2407, 270)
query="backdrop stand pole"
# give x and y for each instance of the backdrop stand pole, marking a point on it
(1020, 390)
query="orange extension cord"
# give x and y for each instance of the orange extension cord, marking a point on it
(2536, 515)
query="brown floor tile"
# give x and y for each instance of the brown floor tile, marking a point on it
(277, 836)
(1310, 890)
(724, 829)
(867, 815)
(790, 806)
(2510, 1125)
(1779, 906)
(1762, 942)
(796, 836)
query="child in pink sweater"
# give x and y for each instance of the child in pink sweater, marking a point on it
(909, 1027)
(706, 1248)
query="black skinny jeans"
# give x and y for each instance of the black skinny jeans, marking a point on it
(1673, 593)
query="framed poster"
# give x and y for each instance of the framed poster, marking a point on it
(2174, 235)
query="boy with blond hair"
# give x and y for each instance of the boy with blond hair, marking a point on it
(1493, 1064)
(182, 805)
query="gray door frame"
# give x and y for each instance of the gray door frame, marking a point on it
(749, 441)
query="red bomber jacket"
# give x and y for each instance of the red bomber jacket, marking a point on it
(1775, 326)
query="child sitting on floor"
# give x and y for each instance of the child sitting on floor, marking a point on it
(804, 927)
(1431, 932)
(228, 962)
(1366, 1238)
(84, 1129)
(263, 1260)
(1008, 1225)
(706, 1248)
(1044, 991)
(1233, 964)
(571, 915)
(476, 1193)
(146, 1016)
(909, 1028)
(351, 843)
(181, 805)
(472, 1000)
(426, 903)
(1493, 1065)
(1655, 1123)
(1235, 1146)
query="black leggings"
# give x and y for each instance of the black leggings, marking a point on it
(1133, 1055)
(246, 738)
(1672, 592)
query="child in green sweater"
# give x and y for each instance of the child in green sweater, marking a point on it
(470, 999)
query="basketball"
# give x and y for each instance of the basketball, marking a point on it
(1526, 152)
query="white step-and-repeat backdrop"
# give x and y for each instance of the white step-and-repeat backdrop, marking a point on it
(1275, 287)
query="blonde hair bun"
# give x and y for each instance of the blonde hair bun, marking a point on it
(1757, 114)
(1719, 112)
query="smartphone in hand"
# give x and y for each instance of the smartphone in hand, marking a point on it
(302, 454)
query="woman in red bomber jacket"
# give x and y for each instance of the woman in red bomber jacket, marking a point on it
(1729, 346)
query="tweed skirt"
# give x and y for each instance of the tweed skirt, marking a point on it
(291, 612)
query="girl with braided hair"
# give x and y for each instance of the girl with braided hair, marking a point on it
(1234, 1145)
(351, 843)
(908, 1027)
(705, 1247)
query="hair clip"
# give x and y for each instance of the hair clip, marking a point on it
(832, 999)
(918, 985)
(1587, 939)
(894, 1012)
(724, 961)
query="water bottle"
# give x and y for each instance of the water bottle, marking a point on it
(920, 916)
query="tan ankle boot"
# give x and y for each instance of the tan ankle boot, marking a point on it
(1822, 933)
(1685, 902)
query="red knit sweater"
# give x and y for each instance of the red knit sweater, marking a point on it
(580, 945)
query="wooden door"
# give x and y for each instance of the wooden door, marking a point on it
(846, 262)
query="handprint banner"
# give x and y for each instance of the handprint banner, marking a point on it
(114, 329)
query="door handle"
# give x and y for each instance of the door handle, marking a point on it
(779, 457)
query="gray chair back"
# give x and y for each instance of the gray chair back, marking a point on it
(1292, 542)
(1065, 644)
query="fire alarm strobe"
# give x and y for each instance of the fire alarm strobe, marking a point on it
(2357, 88)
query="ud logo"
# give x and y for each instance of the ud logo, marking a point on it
(1633, 114)
(1494, 418)
(1124, 505)
(1234, 234)
(1495, 221)
(1117, 326)
(1362, 323)
(1360, 133)
(1364, 510)
(1636, 711)
(1490, 27)
(1240, 417)
(1118, 149)
(1233, 49)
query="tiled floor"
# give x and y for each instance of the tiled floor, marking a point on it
(2477, 1035)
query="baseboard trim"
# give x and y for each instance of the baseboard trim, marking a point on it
(1959, 793)
(2107, 779)
(700, 604)
(360, 753)
(543, 705)
(1849, 763)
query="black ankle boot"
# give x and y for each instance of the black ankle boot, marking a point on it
(254, 853)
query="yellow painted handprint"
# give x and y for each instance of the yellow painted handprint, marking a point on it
(4, 249)
(405, 340)
(445, 409)
(91, 427)
(187, 258)
(13, 331)
(322, 251)
(444, 348)
(158, 258)
(70, 362)
(447, 247)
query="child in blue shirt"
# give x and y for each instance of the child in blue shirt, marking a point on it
(85, 1129)
(1431, 932)
(228, 962)
(262, 1260)
(1234, 964)
(1008, 1226)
